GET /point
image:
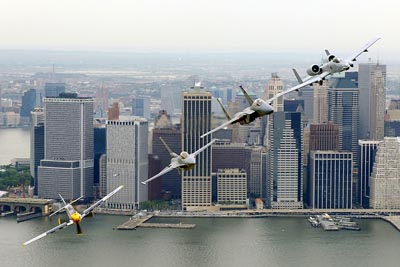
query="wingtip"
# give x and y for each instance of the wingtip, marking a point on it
(144, 183)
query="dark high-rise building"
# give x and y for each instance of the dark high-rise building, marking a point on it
(293, 105)
(154, 187)
(37, 144)
(30, 100)
(285, 164)
(196, 120)
(367, 154)
(99, 148)
(324, 137)
(141, 107)
(67, 167)
(171, 181)
(343, 109)
(53, 89)
(331, 180)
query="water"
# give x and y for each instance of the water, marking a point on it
(214, 242)
(14, 143)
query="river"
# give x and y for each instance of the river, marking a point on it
(273, 241)
(14, 143)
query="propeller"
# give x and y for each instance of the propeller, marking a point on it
(78, 229)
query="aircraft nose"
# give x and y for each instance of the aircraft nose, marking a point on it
(191, 160)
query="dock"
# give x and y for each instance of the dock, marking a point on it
(168, 225)
(134, 223)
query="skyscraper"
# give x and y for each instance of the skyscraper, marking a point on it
(30, 100)
(367, 155)
(324, 137)
(67, 167)
(385, 177)
(372, 82)
(127, 161)
(285, 184)
(320, 104)
(53, 89)
(331, 180)
(196, 120)
(141, 107)
(172, 135)
(274, 87)
(101, 104)
(113, 111)
(343, 109)
(37, 144)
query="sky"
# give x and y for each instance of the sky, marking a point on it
(201, 26)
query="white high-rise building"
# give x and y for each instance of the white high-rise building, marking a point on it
(385, 178)
(127, 162)
(371, 82)
(275, 86)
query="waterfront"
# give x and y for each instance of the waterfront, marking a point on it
(14, 143)
(275, 241)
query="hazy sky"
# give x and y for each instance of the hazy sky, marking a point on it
(202, 25)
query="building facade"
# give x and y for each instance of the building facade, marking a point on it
(285, 164)
(331, 180)
(385, 177)
(67, 167)
(232, 186)
(196, 120)
(127, 162)
(367, 155)
(372, 83)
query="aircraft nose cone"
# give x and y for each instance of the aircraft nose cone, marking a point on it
(191, 161)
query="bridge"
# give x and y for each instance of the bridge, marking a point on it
(10, 205)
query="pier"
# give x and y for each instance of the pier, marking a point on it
(134, 223)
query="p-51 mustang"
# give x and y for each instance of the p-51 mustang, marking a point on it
(332, 64)
(184, 161)
(257, 108)
(73, 215)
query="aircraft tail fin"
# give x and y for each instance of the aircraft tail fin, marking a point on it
(223, 109)
(246, 95)
(297, 76)
(168, 148)
(327, 52)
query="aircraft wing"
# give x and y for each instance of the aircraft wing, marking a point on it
(203, 148)
(231, 121)
(364, 49)
(53, 230)
(311, 80)
(164, 171)
(101, 201)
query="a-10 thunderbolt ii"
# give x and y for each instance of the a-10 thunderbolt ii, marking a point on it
(73, 215)
(332, 64)
(257, 108)
(317, 73)
(182, 162)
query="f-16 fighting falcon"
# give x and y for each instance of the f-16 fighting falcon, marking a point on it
(184, 161)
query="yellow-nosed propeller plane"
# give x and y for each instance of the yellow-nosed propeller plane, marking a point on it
(74, 216)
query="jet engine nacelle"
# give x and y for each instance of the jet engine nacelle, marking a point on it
(331, 57)
(314, 70)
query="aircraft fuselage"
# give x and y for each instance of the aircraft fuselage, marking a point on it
(260, 108)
